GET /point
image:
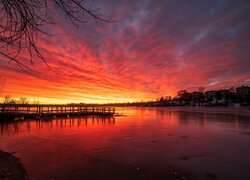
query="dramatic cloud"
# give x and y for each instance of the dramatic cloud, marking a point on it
(154, 48)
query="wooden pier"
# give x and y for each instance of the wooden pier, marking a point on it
(27, 111)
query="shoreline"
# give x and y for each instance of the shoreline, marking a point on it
(11, 167)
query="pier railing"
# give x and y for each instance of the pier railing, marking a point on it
(42, 109)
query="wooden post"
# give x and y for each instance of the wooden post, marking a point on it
(55, 109)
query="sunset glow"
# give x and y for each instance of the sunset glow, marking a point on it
(153, 49)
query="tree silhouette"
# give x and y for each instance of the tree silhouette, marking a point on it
(7, 99)
(201, 89)
(24, 100)
(180, 93)
(21, 22)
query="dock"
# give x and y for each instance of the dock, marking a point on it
(28, 111)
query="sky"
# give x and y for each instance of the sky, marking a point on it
(154, 48)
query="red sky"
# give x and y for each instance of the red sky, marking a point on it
(154, 48)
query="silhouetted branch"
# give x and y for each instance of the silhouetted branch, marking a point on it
(21, 22)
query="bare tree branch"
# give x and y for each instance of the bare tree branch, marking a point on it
(21, 22)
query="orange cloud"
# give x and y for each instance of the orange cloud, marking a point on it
(151, 51)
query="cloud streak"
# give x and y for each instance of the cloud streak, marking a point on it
(155, 48)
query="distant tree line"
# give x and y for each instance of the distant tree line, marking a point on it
(224, 97)
(22, 100)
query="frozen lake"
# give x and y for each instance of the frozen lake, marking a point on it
(207, 143)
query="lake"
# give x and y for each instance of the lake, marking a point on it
(144, 143)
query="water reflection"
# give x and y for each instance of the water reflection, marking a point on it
(27, 125)
(198, 140)
(200, 115)
(204, 117)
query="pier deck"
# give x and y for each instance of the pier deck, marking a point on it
(12, 111)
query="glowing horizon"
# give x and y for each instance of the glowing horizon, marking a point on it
(153, 50)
